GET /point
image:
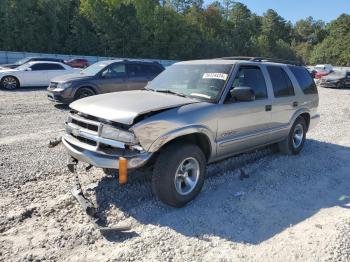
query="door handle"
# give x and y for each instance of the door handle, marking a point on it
(295, 104)
(268, 107)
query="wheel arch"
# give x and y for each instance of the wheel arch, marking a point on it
(306, 117)
(199, 139)
(195, 135)
(304, 113)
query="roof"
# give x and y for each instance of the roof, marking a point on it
(236, 59)
(46, 62)
(207, 61)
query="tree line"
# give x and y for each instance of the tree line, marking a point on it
(168, 29)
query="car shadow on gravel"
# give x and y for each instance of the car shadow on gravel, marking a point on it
(63, 107)
(26, 89)
(281, 191)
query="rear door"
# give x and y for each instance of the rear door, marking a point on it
(138, 75)
(244, 125)
(284, 103)
(54, 70)
(113, 78)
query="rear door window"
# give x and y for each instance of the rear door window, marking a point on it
(41, 66)
(154, 70)
(305, 81)
(137, 70)
(281, 84)
(54, 67)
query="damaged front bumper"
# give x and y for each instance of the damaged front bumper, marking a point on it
(84, 142)
(90, 155)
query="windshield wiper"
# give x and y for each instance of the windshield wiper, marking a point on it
(167, 91)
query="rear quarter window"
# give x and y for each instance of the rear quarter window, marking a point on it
(305, 81)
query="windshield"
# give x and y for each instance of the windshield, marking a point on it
(23, 67)
(22, 61)
(94, 68)
(202, 81)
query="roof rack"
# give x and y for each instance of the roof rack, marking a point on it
(262, 59)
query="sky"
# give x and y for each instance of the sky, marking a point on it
(294, 10)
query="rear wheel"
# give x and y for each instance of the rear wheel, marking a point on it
(179, 174)
(84, 92)
(9, 83)
(341, 85)
(294, 143)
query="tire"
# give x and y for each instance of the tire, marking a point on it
(340, 85)
(84, 92)
(294, 143)
(110, 171)
(9, 83)
(173, 186)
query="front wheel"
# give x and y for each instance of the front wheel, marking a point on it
(84, 92)
(179, 174)
(9, 83)
(294, 143)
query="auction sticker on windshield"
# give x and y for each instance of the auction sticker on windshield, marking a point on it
(220, 76)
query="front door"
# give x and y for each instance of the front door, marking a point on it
(36, 75)
(244, 125)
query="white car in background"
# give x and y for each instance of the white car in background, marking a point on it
(327, 68)
(33, 74)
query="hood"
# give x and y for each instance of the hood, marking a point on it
(71, 77)
(124, 107)
(8, 66)
(334, 78)
(6, 70)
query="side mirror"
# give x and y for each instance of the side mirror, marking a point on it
(242, 93)
(29, 69)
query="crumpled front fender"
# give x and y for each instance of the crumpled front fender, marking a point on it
(188, 130)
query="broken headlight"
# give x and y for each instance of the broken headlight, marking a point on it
(113, 133)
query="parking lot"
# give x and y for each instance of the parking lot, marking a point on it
(291, 208)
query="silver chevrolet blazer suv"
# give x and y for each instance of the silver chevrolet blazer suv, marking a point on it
(194, 113)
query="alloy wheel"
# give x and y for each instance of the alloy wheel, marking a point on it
(187, 175)
(298, 135)
(9, 83)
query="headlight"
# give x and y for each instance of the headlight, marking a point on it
(64, 85)
(118, 135)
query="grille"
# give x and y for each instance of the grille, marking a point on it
(85, 125)
(87, 130)
(86, 140)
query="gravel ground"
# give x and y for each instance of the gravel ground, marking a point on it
(291, 208)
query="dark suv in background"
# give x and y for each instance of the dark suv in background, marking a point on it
(103, 77)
